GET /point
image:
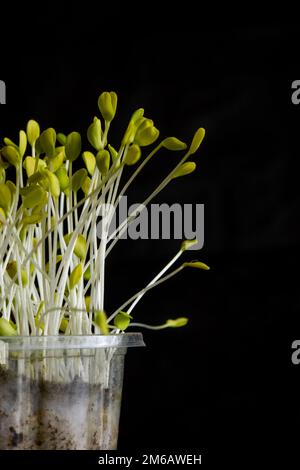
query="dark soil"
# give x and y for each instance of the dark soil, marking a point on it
(56, 416)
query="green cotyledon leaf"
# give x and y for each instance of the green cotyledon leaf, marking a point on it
(86, 185)
(187, 244)
(174, 144)
(146, 133)
(47, 141)
(103, 161)
(56, 162)
(80, 248)
(197, 265)
(122, 320)
(62, 138)
(12, 270)
(78, 179)
(75, 276)
(90, 162)
(12, 155)
(177, 322)
(33, 195)
(22, 143)
(63, 178)
(94, 134)
(133, 155)
(5, 197)
(197, 139)
(30, 164)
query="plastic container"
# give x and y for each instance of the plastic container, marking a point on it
(62, 392)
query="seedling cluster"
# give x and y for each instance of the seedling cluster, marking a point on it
(52, 262)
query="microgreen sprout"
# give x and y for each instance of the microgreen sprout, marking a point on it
(53, 188)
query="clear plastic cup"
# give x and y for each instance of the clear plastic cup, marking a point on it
(62, 392)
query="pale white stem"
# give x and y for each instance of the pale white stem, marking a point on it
(76, 210)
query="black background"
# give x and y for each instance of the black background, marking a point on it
(226, 380)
